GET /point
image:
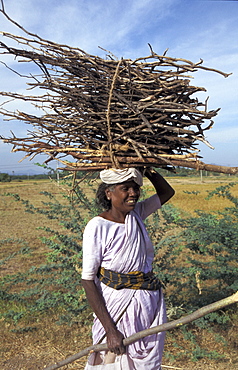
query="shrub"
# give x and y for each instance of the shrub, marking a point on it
(197, 262)
(4, 177)
(55, 284)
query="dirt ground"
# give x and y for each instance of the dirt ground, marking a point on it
(44, 347)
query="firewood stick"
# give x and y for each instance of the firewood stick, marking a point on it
(207, 167)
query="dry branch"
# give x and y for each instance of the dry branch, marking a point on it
(141, 109)
(164, 327)
(198, 165)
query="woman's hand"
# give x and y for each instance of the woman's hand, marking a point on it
(115, 341)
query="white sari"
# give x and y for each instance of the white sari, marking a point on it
(126, 248)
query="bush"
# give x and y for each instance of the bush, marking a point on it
(4, 177)
(197, 262)
(55, 284)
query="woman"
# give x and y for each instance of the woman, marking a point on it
(117, 271)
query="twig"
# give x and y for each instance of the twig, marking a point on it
(114, 162)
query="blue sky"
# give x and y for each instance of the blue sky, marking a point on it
(190, 29)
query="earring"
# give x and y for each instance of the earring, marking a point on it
(108, 198)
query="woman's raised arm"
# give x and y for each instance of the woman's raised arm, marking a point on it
(162, 187)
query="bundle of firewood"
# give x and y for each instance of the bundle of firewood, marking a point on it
(105, 112)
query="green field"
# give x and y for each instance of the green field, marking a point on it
(50, 342)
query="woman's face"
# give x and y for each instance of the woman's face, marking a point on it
(124, 196)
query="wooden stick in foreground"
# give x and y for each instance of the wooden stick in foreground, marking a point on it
(144, 333)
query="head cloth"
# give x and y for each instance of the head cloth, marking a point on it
(116, 176)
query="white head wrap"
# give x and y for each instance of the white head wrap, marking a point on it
(116, 176)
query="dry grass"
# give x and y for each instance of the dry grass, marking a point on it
(191, 202)
(19, 225)
(49, 342)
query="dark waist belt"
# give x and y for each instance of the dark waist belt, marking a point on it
(131, 280)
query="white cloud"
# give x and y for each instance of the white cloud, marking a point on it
(88, 24)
